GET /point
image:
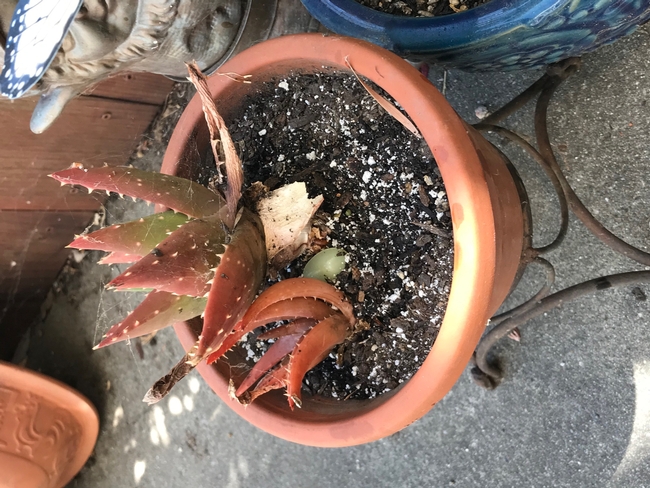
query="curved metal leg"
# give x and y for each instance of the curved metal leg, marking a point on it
(486, 373)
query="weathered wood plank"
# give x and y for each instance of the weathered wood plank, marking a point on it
(91, 130)
(135, 87)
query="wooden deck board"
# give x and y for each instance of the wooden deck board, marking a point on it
(92, 131)
(136, 87)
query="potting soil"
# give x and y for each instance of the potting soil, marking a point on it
(385, 206)
(422, 8)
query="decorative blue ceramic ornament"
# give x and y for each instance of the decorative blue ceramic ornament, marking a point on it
(498, 35)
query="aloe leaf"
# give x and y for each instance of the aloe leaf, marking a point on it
(276, 378)
(309, 308)
(311, 349)
(182, 264)
(288, 309)
(137, 290)
(280, 348)
(288, 329)
(119, 258)
(286, 300)
(131, 240)
(300, 288)
(235, 284)
(179, 194)
(157, 311)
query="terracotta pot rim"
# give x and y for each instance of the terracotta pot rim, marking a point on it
(64, 397)
(474, 267)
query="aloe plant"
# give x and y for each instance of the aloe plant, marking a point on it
(208, 257)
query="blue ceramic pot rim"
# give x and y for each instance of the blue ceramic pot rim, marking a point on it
(448, 31)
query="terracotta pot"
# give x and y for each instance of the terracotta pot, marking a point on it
(47, 430)
(487, 222)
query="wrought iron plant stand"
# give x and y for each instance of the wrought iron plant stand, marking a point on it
(485, 371)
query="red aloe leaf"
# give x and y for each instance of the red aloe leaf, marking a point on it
(288, 329)
(311, 349)
(181, 264)
(158, 310)
(277, 378)
(282, 310)
(228, 342)
(235, 284)
(283, 346)
(300, 288)
(288, 310)
(134, 239)
(173, 192)
(119, 258)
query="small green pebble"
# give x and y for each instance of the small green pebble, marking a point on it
(325, 265)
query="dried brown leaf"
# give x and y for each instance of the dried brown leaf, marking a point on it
(236, 76)
(433, 229)
(386, 105)
(286, 215)
(222, 144)
(163, 386)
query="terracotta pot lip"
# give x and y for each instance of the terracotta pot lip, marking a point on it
(64, 396)
(459, 163)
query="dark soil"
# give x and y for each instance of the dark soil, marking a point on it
(385, 205)
(422, 8)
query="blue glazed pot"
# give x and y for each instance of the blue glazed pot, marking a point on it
(498, 35)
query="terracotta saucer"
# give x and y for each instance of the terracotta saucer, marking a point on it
(47, 430)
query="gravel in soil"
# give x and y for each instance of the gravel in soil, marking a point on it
(421, 8)
(385, 205)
